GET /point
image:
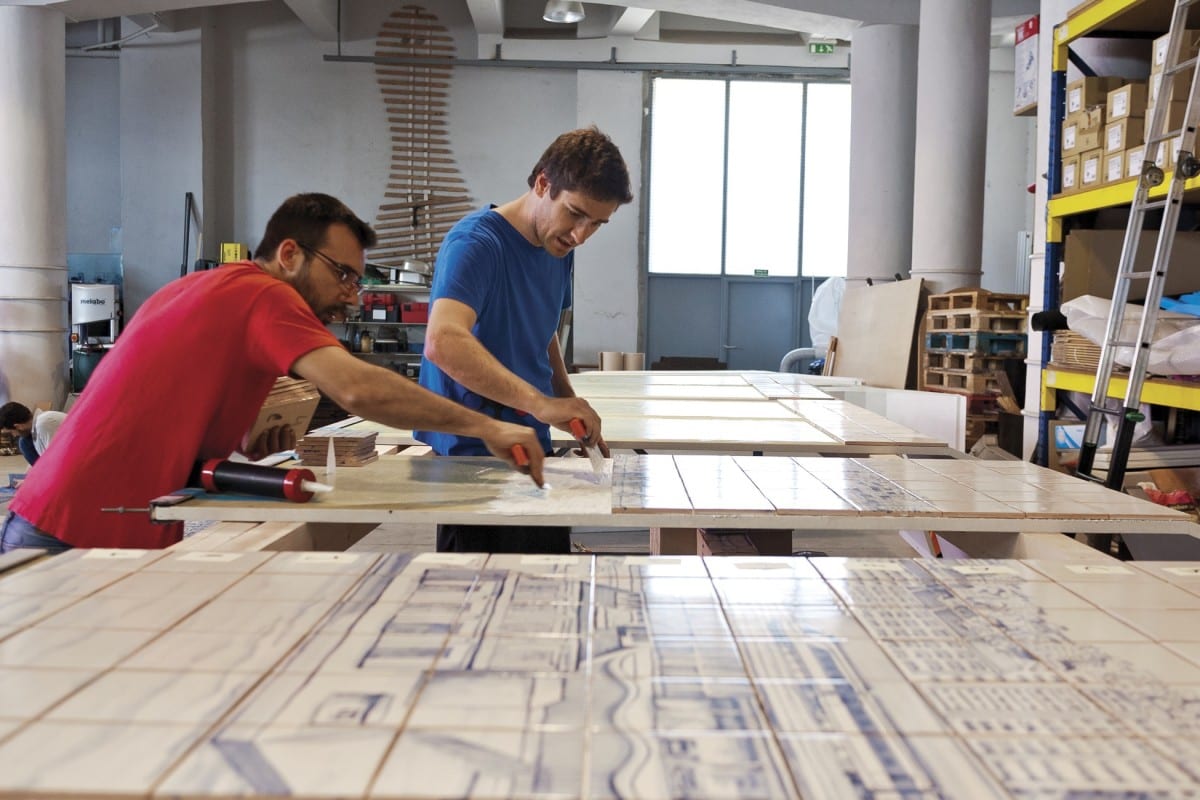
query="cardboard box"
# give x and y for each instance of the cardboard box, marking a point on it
(234, 251)
(1114, 167)
(1124, 134)
(1187, 48)
(1070, 174)
(1091, 171)
(1127, 101)
(1090, 260)
(1134, 158)
(1087, 92)
(1174, 89)
(1070, 136)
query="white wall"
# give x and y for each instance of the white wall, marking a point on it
(1007, 204)
(93, 166)
(282, 120)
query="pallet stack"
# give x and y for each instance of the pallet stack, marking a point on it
(969, 335)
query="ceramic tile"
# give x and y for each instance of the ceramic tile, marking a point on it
(1163, 625)
(253, 616)
(199, 561)
(101, 559)
(752, 591)
(247, 760)
(1189, 650)
(483, 764)
(330, 700)
(787, 622)
(293, 587)
(535, 590)
(578, 566)
(841, 766)
(951, 622)
(1135, 594)
(1075, 767)
(666, 766)
(996, 660)
(60, 582)
(1179, 573)
(140, 696)
(124, 612)
(609, 568)
(843, 707)
(891, 593)
(1099, 662)
(697, 622)
(17, 611)
(214, 652)
(759, 567)
(1104, 572)
(1033, 709)
(1001, 600)
(25, 692)
(380, 654)
(535, 621)
(67, 648)
(859, 662)
(1151, 709)
(1080, 625)
(972, 570)
(323, 563)
(107, 759)
(502, 701)
(900, 570)
(546, 655)
(170, 584)
(697, 658)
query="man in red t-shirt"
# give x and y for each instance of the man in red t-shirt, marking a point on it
(187, 378)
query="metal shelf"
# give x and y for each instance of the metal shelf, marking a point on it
(382, 322)
(1156, 391)
(1115, 194)
(398, 288)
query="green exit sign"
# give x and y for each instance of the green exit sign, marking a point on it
(821, 48)
(760, 273)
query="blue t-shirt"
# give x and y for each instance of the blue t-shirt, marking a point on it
(518, 292)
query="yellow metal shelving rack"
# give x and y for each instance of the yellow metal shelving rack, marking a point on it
(1144, 15)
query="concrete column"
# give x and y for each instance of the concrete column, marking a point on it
(952, 85)
(883, 112)
(33, 205)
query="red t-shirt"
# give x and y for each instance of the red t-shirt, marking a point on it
(184, 382)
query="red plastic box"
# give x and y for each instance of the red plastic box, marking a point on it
(414, 312)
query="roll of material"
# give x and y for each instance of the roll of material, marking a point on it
(610, 360)
(633, 361)
(216, 475)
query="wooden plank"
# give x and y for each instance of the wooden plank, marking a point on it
(880, 353)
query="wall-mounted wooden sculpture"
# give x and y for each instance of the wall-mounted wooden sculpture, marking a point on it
(425, 195)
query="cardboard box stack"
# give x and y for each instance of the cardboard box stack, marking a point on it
(970, 334)
(1083, 132)
(1172, 91)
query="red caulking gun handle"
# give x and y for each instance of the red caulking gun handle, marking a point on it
(519, 455)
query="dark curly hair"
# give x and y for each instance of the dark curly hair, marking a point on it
(14, 414)
(587, 161)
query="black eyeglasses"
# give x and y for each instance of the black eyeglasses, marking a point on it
(346, 274)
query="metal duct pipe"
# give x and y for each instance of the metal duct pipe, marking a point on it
(33, 251)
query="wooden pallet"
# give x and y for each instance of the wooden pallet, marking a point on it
(976, 383)
(980, 299)
(992, 344)
(965, 362)
(974, 320)
(979, 425)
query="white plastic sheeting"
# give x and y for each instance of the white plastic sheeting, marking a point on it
(1175, 344)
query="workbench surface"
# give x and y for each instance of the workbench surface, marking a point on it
(129, 674)
(708, 491)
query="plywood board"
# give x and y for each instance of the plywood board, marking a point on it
(875, 332)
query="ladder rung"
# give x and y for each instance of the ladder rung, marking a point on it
(1166, 137)
(1181, 66)
(1150, 205)
(1087, 476)
(1137, 275)
(1112, 412)
(1118, 343)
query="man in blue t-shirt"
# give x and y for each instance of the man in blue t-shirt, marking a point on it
(501, 282)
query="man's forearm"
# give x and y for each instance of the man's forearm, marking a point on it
(463, 358)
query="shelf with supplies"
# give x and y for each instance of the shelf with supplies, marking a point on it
(397, 288)
(1090, 107)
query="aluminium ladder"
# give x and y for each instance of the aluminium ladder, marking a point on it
(1187, 166)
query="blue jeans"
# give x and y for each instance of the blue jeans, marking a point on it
(19, 532)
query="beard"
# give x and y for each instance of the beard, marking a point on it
(326, 312)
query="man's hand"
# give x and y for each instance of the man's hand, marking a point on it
(559, 411)
(273, 440)
(500, 437)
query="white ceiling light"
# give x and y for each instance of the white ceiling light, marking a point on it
(562, 11)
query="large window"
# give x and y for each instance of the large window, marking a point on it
(748, 177)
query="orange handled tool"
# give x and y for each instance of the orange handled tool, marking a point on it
(519, 455)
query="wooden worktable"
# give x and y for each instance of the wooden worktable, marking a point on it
(314, 675)
(696, 491)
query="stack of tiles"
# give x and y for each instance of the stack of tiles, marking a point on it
(969, 335)
(155, 674)
(350, 448)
